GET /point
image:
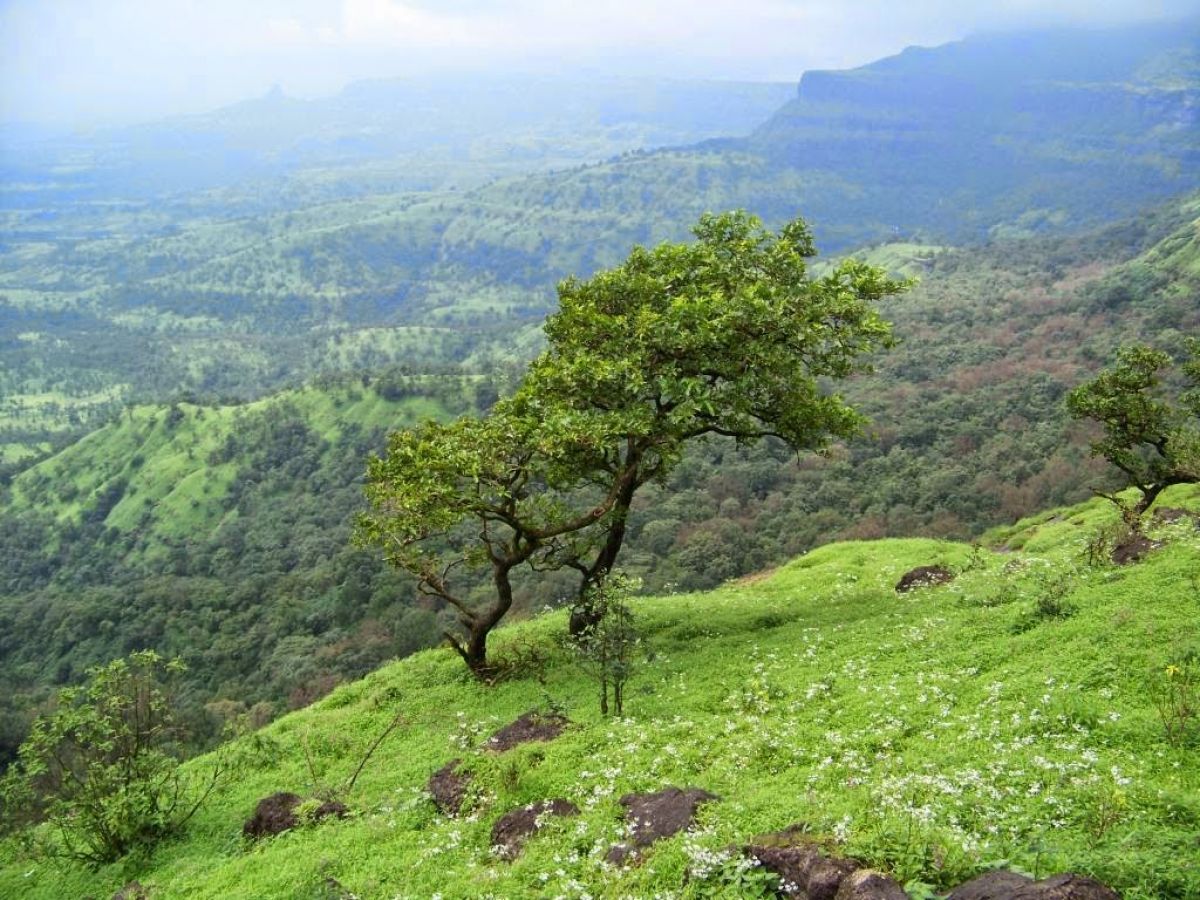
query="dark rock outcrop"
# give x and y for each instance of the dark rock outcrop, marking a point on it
(866, 884)
(533, 726)
(652, 817)
(1133, 549)
(449, 788)
(997, 885)
(1003, 885)
(923, 576)
(515, 827)
(277, 813)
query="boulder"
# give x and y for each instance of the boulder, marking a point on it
(923, 576)
(866, 884)
(516, 826)
(655, 816)
(996, 885)
(533, 726)
(449, 788)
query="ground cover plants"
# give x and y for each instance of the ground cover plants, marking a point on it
(934, 733)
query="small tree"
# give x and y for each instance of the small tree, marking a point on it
(609, 650)
(102, 768)
(1154, 442)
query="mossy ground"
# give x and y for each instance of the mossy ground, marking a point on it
(934, 734)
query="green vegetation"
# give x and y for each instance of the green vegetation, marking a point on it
(923, 732)
(242, 289)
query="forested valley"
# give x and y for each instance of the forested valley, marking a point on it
(194, 370)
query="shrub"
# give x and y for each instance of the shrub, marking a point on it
(103, 768)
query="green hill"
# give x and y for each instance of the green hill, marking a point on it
(220, 533)
(1007, 718)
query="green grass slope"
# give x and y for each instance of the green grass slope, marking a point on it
(933, 734)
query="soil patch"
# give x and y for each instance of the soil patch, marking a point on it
(515, 827)
(131, 891)
(533, 726)
(277, 813)
(1133, 549)
(652, 817)
(923, 576)
(449, 788)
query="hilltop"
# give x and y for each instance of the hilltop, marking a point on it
(1006, 718)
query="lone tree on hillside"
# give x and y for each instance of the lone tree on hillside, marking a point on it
(728, 335)
(1154, 442)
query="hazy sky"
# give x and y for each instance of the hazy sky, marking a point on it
(88, 61)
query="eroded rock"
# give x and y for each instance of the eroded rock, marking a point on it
(923, 576)
(276, 814)
(804, 872)
(866, 884)
(449, 788)
(997, 885)
(533, 726)
(652, 817)
(515, 827)
(1133, 549)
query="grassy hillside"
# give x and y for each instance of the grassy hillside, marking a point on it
(1007, 716)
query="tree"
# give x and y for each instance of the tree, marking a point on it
(724, 336)
(103, 769)
(1154, 442)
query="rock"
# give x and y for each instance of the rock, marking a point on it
(1002, 885)
(516, 826)
(652, 817)
(866, 884)
(277, 813)
(803, 871)
(532, 726)
(1067, 887)
(449, 789)
(923, 576)
(996, 885)
(132, 891)
(273, 815)
(1169, 515)
(1133, 549)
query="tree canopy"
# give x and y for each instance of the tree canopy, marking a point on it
(728, 335)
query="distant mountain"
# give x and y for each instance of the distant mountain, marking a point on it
(1040, 129)
(407, 133)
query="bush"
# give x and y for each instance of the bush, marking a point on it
(103, 769)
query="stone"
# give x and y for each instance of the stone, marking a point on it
(923, 576)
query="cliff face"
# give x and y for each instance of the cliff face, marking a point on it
(1084, 121)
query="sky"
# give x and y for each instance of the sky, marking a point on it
(87, 62)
